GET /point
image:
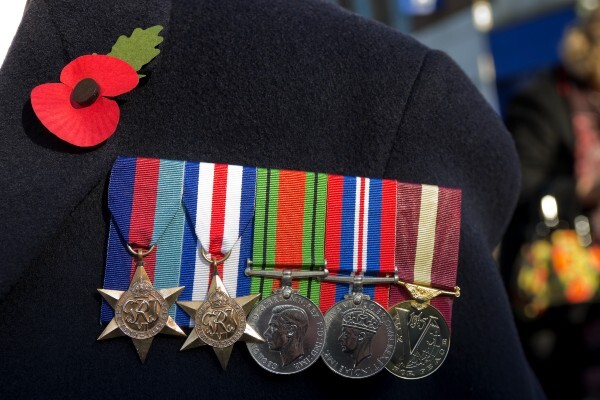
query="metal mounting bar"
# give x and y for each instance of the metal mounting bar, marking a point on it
(361, 279)
(283, 272)
(251, 264)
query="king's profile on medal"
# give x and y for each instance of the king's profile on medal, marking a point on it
(358, 329)
(286, 331)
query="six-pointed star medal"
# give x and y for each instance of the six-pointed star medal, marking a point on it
(220, 321)
(141, 312)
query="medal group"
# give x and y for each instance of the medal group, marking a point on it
(299, 265)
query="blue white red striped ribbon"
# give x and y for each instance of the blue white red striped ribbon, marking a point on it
(360, 235)
(219, 203)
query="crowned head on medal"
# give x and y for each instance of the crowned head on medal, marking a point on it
(360, 338)
(362, 319)
(358, 328)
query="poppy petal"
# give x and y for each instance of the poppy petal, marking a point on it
(113, 75)
(83, 127)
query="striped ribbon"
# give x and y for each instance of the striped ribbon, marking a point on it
(427, 239)
(371, 225)
(144, 198)
(289, 227)
(219, 203)
(360, 232)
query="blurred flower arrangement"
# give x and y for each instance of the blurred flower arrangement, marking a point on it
(557, 270)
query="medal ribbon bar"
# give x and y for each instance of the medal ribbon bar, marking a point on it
(360, 235)
(289, 228)
(219, 205)
(144, 198)
(427, 240)
(371, 225)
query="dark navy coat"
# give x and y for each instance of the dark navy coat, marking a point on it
(273, 83)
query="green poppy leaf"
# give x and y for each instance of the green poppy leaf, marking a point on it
(139, 48)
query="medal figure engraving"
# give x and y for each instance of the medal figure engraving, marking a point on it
(423, 340)
(286, 331)
(141, 312)
(360, 338)
(294, 331)
(358, 329)
(220, 321)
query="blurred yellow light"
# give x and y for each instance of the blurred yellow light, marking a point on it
(549, 208)
(482, 15)
(589, 5)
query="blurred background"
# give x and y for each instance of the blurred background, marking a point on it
(498, 43)
(537, 62)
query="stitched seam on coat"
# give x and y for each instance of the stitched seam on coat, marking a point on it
(406, 105)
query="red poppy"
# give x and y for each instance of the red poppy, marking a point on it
(78, 110)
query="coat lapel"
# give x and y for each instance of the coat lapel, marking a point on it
(43, 179)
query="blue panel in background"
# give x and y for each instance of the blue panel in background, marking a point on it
(529, 45)
(523, 49)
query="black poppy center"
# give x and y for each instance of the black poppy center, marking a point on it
(85, 93)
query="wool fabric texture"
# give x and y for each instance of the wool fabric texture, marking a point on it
(298, 85)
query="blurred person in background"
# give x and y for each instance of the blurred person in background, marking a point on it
(556, 126)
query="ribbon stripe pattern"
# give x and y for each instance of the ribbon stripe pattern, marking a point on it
(219, 203)
(144, 199)
(427, 240)
(279, 219)
(359, 234)
(289, 227)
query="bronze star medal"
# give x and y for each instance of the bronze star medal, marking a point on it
(220, 320)
(141, 312)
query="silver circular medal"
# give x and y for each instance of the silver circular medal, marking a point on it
(360, 338)
(423, 340)
(294, 332)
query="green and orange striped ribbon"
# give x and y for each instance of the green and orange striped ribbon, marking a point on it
(289, 227)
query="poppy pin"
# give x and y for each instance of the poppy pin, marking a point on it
(80, 109)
